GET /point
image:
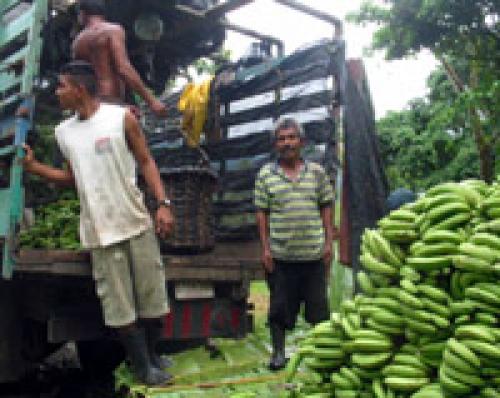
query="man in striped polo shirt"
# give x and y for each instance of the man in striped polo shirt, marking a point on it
(294, 199)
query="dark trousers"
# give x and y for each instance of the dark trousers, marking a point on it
(292, 283)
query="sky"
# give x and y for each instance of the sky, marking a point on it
(392, 84)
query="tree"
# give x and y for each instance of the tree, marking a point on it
(427, 144)
(464, 33)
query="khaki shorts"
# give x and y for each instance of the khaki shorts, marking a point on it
(130, 280)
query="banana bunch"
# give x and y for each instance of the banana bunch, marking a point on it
(480, 253)
(400, 226)
(406, 373)
(435, 250)
(383, 313)
(461, 280)
(379, 257)
(429, 391)
(323, 349)
(427, 323)
(347, 382)
(425, 308)
(490, 207)
(465, 359)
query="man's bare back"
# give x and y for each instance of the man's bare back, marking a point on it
(102, 44)
(94, 45)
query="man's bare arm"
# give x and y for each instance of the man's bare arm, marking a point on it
(263, 226)
(140, 150)
(59, 176)
(326, 216)
(128, 73)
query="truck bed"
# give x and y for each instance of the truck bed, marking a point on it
(227, 262)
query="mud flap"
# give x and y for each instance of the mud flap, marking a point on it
(12, 364)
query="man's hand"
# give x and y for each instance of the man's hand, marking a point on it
(164, 221)
(267, 260)
(29, 157)
(158, 108)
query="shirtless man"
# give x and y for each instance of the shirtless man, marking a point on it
(102, 44)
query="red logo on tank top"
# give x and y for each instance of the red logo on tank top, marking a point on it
(103, 144)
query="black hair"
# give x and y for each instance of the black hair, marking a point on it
(83, 73)
(92, 7)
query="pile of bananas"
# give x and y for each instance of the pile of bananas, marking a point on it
(427, 323)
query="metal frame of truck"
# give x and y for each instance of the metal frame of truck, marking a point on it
(47, 297)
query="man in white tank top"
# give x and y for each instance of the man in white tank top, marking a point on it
(102, 144)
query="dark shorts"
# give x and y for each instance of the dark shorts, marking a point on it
(292, 283)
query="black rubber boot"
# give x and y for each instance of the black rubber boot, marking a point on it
(154, 330)
(134, 342)
(278, 359)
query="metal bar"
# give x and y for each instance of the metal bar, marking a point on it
(32, 64)
(7, 5)
(257, 35)
(215, 12)
(9, 80)
(7, 150)
(16, 27)
(7, 127)
(336, 22)
(222, 9)
(14, 60)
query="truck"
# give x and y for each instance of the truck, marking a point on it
(47, 296)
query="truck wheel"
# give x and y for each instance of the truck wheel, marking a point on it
(99, 358)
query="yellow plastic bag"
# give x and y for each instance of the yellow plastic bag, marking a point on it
(193, 103)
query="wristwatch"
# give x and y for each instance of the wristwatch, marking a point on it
(164, 202)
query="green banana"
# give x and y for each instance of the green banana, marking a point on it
(429, 263)
(454, 361)
(434, 293)
(475, 332)
(486, 239)
(452, 385)
(463, 352)
(406, 383)
(403, 371)
(466, 378)
(370, 361)
(441, 236)
(438, 213)
(453, 222)
(373, 265)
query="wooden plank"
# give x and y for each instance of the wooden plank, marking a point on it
(41, 256)
(211, 274)
(234, 261)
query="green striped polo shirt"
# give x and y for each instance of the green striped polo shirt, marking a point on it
(295, 227)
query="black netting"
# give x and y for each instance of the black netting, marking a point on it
(305, 85)
(367, 185)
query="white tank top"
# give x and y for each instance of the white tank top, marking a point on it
(112, 207)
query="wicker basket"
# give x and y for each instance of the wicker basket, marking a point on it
(190, 189)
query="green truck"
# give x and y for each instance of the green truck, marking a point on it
(47, 296)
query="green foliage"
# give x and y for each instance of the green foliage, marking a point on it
(458, 26)
(465, 37)
(212, 65)
(430, 142)
(56, 226)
